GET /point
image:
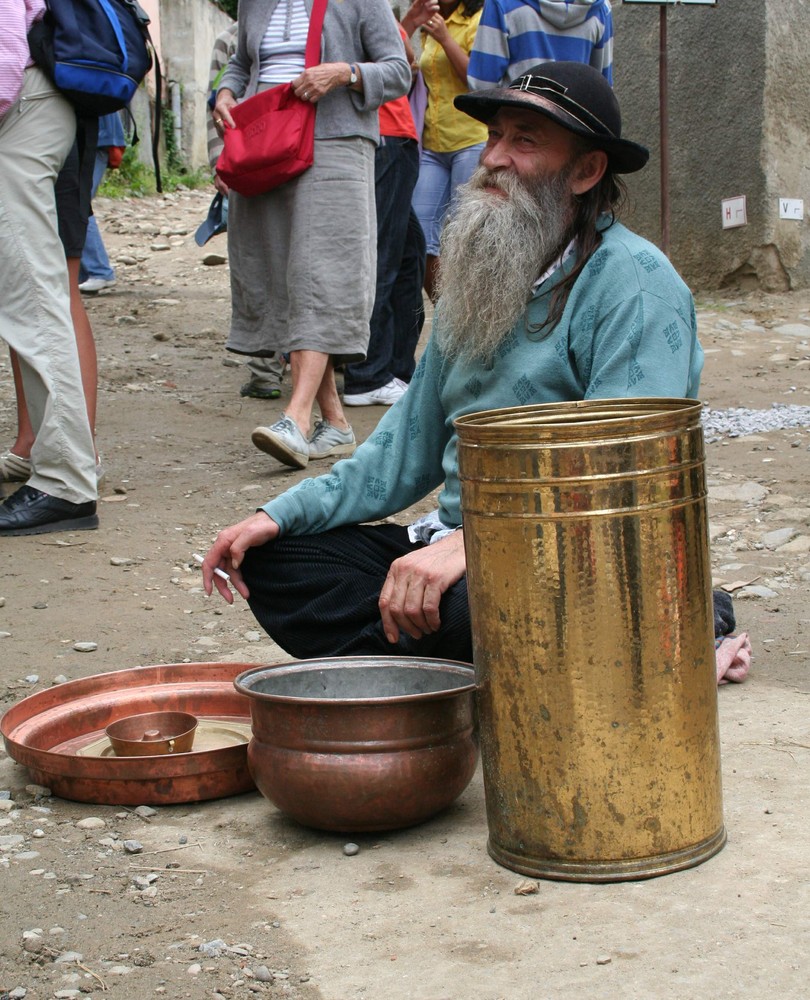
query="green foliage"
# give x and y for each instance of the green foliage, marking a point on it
(135, 179)
(229, 6)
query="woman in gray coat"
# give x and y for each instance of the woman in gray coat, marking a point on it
(303, 256)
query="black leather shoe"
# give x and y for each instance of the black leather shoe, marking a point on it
(31, 512)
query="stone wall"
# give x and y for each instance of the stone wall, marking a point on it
(739, 124)
(188, 29)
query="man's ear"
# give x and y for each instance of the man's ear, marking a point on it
(589, 169)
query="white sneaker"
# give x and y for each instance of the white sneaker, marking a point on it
(94, 285)
(330, 440)
(283, 441)
(386, 395)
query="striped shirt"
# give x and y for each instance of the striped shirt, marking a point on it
(16, 17)
(284, 42)
(515, 35)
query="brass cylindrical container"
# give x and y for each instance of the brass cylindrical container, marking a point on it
(586, 532)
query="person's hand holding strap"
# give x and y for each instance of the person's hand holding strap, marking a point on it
(222, 109)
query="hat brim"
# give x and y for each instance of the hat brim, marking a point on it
(214, 223)
(624, 156)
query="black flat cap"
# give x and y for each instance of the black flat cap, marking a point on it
(572, 94)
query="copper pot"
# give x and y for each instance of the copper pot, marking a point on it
(361, 743)
(152, 733)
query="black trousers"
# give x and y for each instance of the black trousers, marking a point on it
(316, 595)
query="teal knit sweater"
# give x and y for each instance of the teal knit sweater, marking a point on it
(628, 329)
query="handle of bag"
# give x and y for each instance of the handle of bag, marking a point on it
(312, 53)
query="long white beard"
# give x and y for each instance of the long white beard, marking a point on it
(492, 250)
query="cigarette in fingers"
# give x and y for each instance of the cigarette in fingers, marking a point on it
(217, 570)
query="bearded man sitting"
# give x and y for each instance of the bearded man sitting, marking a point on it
(544, 297)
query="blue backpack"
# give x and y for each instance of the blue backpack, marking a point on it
(95, 51)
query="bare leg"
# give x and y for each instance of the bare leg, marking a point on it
(85, 343)
(25, 432)
(313, 378)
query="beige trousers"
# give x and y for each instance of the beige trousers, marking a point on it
(35, 137)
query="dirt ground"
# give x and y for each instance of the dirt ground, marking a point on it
(422, 914)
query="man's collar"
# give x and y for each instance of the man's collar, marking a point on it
(557, 264)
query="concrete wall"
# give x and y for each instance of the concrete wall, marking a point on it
(188, 29)
(739, 123)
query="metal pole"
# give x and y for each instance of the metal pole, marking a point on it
(663, 95)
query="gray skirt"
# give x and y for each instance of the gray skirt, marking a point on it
(303, 258)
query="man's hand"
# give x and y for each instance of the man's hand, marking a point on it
(409, 600)
(229, 550)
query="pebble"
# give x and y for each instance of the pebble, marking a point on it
(38, 834)
(32, 940)
(10, 840)
(133, 846)
(263, 974)
(213, 948)
(350, 850)
(39, 606)
(773, 539)
(68, 956)
(18, 993)
(85, 647)
(252, 636)
(38, 791)
(214, 259)
(59, 679)
(67, 994)
(756, 590)
(121, 561)
(31, 679)
(195, 969)
(603, 959)
(91, 823)
(793, 330)
(5, 635)
(143, 882)
(745, 493)
(6, 805)
(145, 812)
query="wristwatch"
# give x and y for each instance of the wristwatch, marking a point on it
(352, 76)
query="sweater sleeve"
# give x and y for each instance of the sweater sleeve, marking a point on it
(400, 463)
(385, 70)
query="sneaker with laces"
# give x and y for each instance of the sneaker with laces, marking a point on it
(386, 395)
(330, 440)
(14, 469)
(284, 441)
(260, 390)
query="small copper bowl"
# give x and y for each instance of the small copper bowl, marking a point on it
(152, 734)
(361, 743)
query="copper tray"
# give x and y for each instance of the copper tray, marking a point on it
(56, 733)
